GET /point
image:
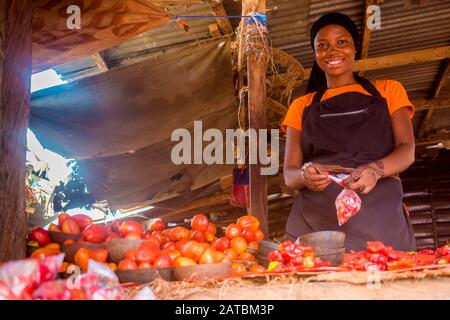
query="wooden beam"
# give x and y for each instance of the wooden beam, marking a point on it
(442, 77)
(257, 108)
(15, 78)
(425, 104)
(398, 59)
(214, 30)
(223, 23)
(101, 64)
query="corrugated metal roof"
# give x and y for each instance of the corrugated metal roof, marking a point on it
(148, 44)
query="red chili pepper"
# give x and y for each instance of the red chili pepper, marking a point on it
(443, 251)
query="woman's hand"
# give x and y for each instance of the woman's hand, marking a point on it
(364, 178)
(315, 177)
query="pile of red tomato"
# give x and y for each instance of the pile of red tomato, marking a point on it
(381, 257)
(292, 256)
(180, 246)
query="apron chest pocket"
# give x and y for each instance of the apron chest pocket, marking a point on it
(364, 111)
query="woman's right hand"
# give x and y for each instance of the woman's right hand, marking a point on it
(315, 178)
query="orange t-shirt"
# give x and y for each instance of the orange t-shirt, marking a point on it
(391, 90)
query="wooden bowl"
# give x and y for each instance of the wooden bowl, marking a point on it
(202, 271)
(60, 237)
(118, 247)
(71, 249)
(144, 275)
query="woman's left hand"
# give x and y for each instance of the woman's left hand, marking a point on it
(363, 179)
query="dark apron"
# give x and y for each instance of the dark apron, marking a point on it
(351, 129)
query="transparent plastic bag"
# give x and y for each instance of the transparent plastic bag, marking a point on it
(348, 204)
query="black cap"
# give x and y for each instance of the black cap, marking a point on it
(334, 18)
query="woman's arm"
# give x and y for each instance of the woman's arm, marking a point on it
(313, 178)
(397, 161)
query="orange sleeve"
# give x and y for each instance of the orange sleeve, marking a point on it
(294, 114)
(397, 97)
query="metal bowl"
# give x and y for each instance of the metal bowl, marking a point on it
(323, 239)
(202, 271)
(60, 237)
(118, 247)
(145, 275)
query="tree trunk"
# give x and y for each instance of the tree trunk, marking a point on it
(15, 77)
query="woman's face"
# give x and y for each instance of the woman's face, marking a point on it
(334, 50)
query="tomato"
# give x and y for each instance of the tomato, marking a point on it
(208, 256)
(170, 246)
(199, 222)
(147, 251)
(95, 233)
(179, 233)
(212, 228)
(248, 235)
(375, 247)
(82, 220)
(100, 255)
(230, 255)
(275, 255)
(145, 265)
(221, 244)
(163, 261)
(246, 256)
(210, 237)
(70, 227)
(253, 245)
(257, 268)
(158, 235)
(81, 258)
(111, 236)
(130, 254)
(61, 218)
(115, 226)
(112, 266)
(193, 250)
(238, 244)
(423, 251)
(183, 262)
(127, 264)
(259, 235)
(158, 225)
(173, 253)
(40, 235)
(199, 236)
(133, 236)
(180, 244)
(63, 267)
(248, 222)
(68, 242)
(220, 255)
(233, 230)
(238, 268)
(53, 227)
(131, 227)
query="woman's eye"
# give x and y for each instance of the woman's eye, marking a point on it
(321, 45)
(342, 41)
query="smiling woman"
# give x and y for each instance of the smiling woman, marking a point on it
(346, 123)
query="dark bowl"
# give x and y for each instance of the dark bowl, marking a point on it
(60, 237)
(118, 247)
(71, 249)
(335, 258)
(323, 239)
(144, 275)
(202, 271)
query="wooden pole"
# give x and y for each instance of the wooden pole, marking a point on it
(15, 77)
(257, 101)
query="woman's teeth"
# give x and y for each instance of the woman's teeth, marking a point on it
(333, 62)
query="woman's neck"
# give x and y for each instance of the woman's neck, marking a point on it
(341, 80)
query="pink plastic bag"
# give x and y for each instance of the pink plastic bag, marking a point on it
(19, 279)
(348, 204)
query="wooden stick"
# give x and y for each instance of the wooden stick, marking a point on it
(439, 84)
(223, 23)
